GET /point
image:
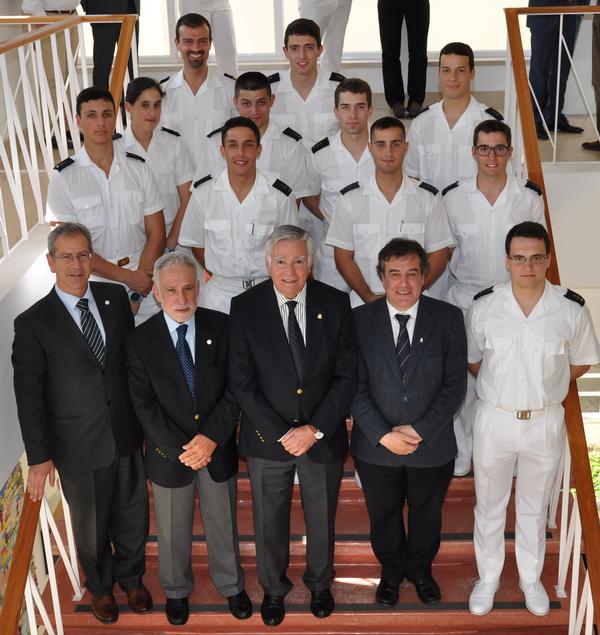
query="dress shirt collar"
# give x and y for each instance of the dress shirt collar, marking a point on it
(412, 311)
(131, 142)
(260, 184)
(84, 159)
(70, 301)
(281, 299)
(172, 325)
(286, 86)
(407, 188)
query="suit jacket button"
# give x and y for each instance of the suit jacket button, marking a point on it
(196, 417)
(404, 398)
(108, 403)
(299, 391)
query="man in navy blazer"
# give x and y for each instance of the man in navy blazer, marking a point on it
(412, 378)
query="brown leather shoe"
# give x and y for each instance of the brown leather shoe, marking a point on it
(105, 608)
(139, 599)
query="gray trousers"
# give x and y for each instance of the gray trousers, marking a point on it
(272, 484)
(174, 508)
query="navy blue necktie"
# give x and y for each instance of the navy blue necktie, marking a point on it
(403, 342)
(296, 340)
(91, 330)
(185, 358)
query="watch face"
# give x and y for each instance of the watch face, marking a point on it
(318, 435)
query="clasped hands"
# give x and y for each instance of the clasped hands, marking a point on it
(298, 440)
(402, 440)
(198, 452)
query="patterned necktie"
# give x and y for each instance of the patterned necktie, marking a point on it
(91, 330)
(402, 343)
(185, 358)
(296, 340)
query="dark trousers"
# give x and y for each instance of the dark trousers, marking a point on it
(106, 36)
(110, 505)
(272, 483)
(391, 15)
(405, 552)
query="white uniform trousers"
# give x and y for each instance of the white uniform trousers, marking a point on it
(500, 440)
(218, 293)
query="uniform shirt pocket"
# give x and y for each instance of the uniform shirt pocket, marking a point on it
(89, 211)
(134, 209)
(218, 235)
(466, 235)
(257, 235)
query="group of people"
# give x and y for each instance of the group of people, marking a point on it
(278, 191)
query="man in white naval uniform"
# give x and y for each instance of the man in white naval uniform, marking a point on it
(527, 340)
(336, 161)
(114, 194)
(229, 218)
(388, 205)
(481, 210)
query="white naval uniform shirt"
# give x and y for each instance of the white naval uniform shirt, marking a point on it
(113, 208)
(170, 162)
(234, 234)
(313, 118)
(330, 168)
(479, 230)
(525, 360)
(364, 222)
(39, 7)
(283, 153)
(199, 6)
(439, 154)
(194, 116)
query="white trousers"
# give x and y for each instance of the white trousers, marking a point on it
(500, 440)
(324, 268)
(463, 421)
(217, 297)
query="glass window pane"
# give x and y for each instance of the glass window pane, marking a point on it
(254, 26)
(154, 29)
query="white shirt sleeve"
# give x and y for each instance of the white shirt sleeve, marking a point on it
(294, 170)
(475, 339)
(59, 203)
(33, 7)
(289, 213)
(340, 232)
(184, 164)
(437, 229)
(312, 183)
(411, 160)
(583, 348)
(192, 233)
(152, 200)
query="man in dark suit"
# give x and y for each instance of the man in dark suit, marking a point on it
(293, 371)
(177, 376)
(412, 378)
(76, 417)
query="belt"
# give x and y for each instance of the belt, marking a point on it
(524, 415)
(236, 284)
(70, 12)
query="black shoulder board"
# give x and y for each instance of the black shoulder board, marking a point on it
(164, 79)
(336, 77)
(349, 188)
(421, 112)
(282, 187)
(273, 78)
(571, 295)
(217, 130)
(482, 293)
(116, 136)
(449, 187)
(208, 177)
(534, 186)
(320, 145)
(59, 167)
(230, 76)
(290, 132)
(173, 132)
(492, 112)
(429, 187)
(131, 155)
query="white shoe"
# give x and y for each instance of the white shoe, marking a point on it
(296, 478)
(481, 599)
(462, 465)
(536, 598)
(357, 479)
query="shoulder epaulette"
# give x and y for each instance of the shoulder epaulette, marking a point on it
(165, 79)
(273, 78)
(217, 130)
(482, 293)
(421, 112)
(320, 145)
(282, 187)
(492, 112)
(173, 132)
(117, 135)
(336, 77)
(429, 187)
(208, 177)
(575, 297)
(290, 132)
(534, 186)
(449, 187)
(349, 188)
(59, 167)
(229, 76)
(131, 155)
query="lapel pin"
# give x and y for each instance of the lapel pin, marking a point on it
(421, 341)
(209, 342)
(319, 316)
(107, 302)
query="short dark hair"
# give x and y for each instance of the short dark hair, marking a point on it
(92, 93)
(252, 80)
(193, 20)
(527, 229)
(302, 26)
(458, 48)
(385, 123)
(355, 86)
(239, 122)
(68, 229)
(138, 85)
(400, 248)
(492, 125)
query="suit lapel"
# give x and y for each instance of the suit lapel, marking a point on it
(169, 357)
(203, 354)
(315, 319)
(385, 336)
(276, 330)
(420, 336)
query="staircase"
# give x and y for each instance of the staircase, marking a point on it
(357, 575)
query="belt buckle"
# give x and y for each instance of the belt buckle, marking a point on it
(247, 284)
(524, 415)
(123, 261)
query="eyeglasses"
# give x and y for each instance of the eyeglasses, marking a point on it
(500, 150)
(67, 259)
(536, 259)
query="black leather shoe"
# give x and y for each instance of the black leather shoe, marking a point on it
(272, 610)
(177, 610)
(414, 108)
(565, 126)
(386, 594)
(427, 590)
(240, 606)
(399, 110)
(540, 132)
(322, 603)
(594, 146)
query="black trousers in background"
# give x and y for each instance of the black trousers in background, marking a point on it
(110, 505)
(405, 552)
(106, 36)
(391, 15)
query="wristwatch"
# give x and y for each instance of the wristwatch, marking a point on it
(318, 434)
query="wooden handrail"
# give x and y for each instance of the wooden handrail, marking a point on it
(580, 462)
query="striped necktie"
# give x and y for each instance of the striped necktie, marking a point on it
(403, 342)
(185, 358)
(296, 340)
(91, 330)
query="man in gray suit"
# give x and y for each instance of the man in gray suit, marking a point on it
(412, 379)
